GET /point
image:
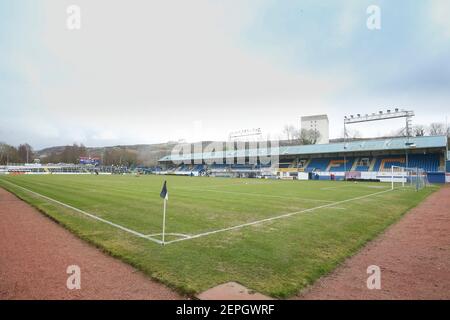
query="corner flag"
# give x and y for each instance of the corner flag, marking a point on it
(164, 193)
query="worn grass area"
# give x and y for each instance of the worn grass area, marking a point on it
(277, 258)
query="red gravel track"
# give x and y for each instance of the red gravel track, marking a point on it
(35, 253)
(413, 254)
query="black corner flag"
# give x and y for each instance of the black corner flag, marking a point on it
(164, 193)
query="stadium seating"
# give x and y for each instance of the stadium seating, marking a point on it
(198, 168)
(427, 162)
(385, 163)
(318, 165)
(338, 165)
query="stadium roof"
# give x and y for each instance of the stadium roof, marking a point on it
(390, 144)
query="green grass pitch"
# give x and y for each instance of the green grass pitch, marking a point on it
(277, 257)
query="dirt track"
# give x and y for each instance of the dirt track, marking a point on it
(413, 254)
(35, 253)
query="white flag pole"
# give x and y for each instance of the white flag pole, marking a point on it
(392, 177)
(164, 222)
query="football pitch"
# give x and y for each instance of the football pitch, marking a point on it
(272, 236)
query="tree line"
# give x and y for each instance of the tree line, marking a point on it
(24, 153)
(434, 129)
(69, 154)
(302, 137)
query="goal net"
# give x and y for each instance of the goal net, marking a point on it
(415, 178)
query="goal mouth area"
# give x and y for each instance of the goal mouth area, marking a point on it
(412, 177)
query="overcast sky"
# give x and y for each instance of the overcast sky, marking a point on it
(145, 71)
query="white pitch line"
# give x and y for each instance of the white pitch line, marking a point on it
(262, 195)
(346, 186)
(336, 187)
(225, 185)
(169, 234)
(286, 215)
(89, 214)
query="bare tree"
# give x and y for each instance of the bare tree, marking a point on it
(4, 153)
(289, 131)
(25, 153)
(437, 129)
(120, 156)
(419, 130)
(8, 154)
(351, 134)
(308, 136)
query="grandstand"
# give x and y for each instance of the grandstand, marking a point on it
(61, 168)
(372, 159)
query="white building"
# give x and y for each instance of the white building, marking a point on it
(318, 123)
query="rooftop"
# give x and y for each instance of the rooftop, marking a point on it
(316, 117)
(397, 144)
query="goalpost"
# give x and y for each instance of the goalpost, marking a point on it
(408, 177)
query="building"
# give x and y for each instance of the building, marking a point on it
(370, 159)
(318, 123)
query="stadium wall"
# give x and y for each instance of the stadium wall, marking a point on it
(447, 168)
(436, 177)
(339, 176)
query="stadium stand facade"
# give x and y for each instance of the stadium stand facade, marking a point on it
(372, 159)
